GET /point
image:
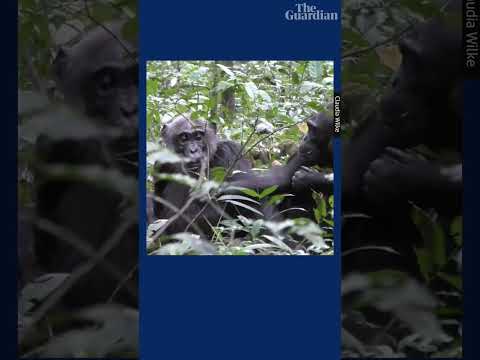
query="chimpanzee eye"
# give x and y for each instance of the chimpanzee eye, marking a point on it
(183, 137)
(132, 74)
(198, 135)
(105, 84)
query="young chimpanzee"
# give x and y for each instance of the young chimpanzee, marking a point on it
(435, 83)
(198, 143)
(317, 148)
(382, 175)
(296, 177)
(99, 78)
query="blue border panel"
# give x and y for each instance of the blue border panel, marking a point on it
(243, 30)
(237, 307)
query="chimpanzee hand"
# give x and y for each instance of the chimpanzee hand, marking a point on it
(167, 168)
(308, 178)
(399, 174)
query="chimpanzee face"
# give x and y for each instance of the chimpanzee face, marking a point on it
(316, 145)
(431, 59)
(191, 144)
(99, 77)
(421, 106)
(111, 93)
(195, 140)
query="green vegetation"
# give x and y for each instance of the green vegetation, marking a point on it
(262, 105)
(421, 317)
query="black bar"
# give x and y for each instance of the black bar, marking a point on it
(471, 33)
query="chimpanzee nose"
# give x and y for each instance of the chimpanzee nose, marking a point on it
(193, 150)
(128, 112)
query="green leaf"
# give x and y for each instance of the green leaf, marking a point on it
(454, 280)
(222, 86)
(268, 191)
(39, 289)
(244, 206)
(237, 197)
(251, 89)
(456, 230)
(163, 156)
(226, 70)
(218, 174)
(61, 123)
(250, 192)
(113, 333)
(425, 263)
(276, 199)
(433, 237)
(278, 242)
(321, 208)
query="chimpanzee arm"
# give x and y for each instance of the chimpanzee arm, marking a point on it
(402, 175)
(310, 179)
(401, 120)
(359, 152)
(314, 149)
(229, 156)
(159, 185)
(277, 176)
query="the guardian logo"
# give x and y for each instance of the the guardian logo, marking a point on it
(305, 12)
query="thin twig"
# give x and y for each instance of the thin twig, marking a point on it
(79, 272)
(122, 283)
(89, 15)
(378, 44)
(175, 209)
(80, 245)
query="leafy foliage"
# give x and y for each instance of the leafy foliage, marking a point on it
(262, 105)
(424, 319)
(44, 330)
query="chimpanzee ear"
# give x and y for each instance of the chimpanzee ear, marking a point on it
(410, 50)
(164, 129)
(166, 137)
(60, 63)
(312, 125)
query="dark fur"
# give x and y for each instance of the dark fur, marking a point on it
(202, 150)
(380, 174)
(315, 149)
(99, 79)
